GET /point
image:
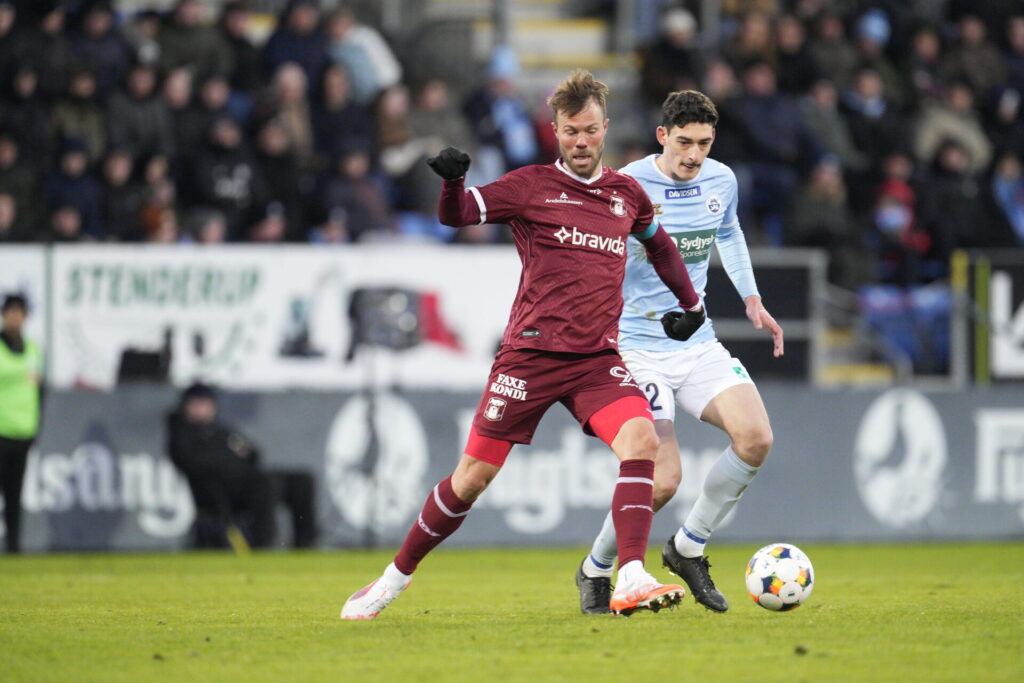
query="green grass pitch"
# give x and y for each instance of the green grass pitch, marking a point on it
(878, 613)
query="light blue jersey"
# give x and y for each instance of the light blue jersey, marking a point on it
(696, 214)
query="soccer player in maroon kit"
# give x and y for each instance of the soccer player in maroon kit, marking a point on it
(570, 221)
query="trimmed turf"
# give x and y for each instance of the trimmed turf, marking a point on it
(907, 613)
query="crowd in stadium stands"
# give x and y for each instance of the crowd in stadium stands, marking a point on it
(889, 133)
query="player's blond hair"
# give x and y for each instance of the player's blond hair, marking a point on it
(573, 94)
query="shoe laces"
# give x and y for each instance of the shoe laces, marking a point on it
(704, 575)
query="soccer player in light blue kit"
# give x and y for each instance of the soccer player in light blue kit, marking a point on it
(695, 198)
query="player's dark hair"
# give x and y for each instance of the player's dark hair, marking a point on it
(688, 106)
(573, 94)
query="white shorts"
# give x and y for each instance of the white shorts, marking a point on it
(692, 377)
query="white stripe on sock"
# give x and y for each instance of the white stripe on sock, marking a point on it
(634, 480)
(444, 508)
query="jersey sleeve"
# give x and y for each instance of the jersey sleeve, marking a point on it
(502, 200)
(732, 248)
(644, 211)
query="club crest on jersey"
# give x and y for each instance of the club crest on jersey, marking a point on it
(714, 205)
(495, 409)
(617, 205)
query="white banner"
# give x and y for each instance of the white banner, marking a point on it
(23, 271)
(255, 317)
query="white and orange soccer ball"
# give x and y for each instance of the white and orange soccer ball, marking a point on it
(780, 577)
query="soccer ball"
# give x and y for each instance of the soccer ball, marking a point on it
(780, 577)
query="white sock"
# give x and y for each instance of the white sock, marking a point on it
(723, 487)
(631, 572)
(601, 560)
(396, 578)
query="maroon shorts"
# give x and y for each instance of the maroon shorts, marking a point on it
(524, 383)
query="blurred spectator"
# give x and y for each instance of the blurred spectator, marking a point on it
(1008, 189)
(101, 46)
(924, 66)
(794, 65)
(176, 93)
(192, 123)
(821, 217)
(1013, 58)
(123, 198)
(298, 39)
(974, 59)
(339, 123)
(875, 123)
(953, 119)
(674, 62)
(900, 244)
(66, 225)
(834, 56)
(334, 230)
(18, 181)
(1004, 125)
(142, 33)
(71, 184)
(778, 144)
(231, 488)
(953, 209)
(185, 41)
(11, 44)
(753, 41)
(364, 53)
(166, 229)
(21, 367)
(873, 33)
(269, 225)
(353, 189)
(225, 175)
(721, 85)
(9, 229)
(207, 226)
(246, 75)
(499, 119)
(138, 119)
(78, 115)
(48, 51)
(436, 119)
(820, 109)
(24, 113)
(278, 163)
(288, 103)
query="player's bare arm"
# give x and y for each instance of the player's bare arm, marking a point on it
(763, 320)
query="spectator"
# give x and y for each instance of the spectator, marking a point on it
(21, 370)
(974, 59)
(900, 244)
(820, 217)
(924, 66)
(138, 119)
(9, 229)
(1004, 125)
(953, 119)
(11, 43)
(185, 41)
(78, 115)
(1008, 189)
(365, 54)
(25, 115)
(334, 230)
(277, 161)
(225, 175)
(18, 182)
(876, 125)
(231, 488)
(288, 103)
(66, 225)
(362, 197)
(48, 51)
(208, 226)
(499, 119)
(778, 144)
(339, 123)
(298, 39)
(820, 109)
(1013, 58)
(191, 124)
(101, 46)
(71, 184)
(797, 71)
(833, 55)
(165, 229)
(721, 85)
(436, 119)
(246, 75)
(873, 33)
(674, 61)
(176, 93)
(270, 225)
(123, 198)
(142, 33)
(753, 42)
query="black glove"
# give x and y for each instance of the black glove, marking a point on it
(680, 325)
(450, 164)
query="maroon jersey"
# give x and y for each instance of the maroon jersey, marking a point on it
(571, 236)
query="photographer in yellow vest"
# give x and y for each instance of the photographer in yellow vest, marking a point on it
(21, 365)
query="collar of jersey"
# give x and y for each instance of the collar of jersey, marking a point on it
(657, 169)
(585, 181)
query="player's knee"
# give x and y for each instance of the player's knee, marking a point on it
(468, 484)
(753, 447)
